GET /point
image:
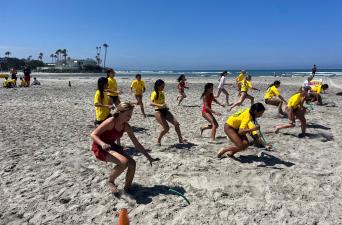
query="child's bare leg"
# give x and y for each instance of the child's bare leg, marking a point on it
(242, 98)
(165, 127)
(173, 121)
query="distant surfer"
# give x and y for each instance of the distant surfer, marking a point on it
(314, 70)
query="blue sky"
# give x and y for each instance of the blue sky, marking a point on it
(179, 34)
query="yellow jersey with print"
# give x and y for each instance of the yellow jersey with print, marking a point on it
(246, 85)
(271, 92)
(101, 113)
(317, 88)
(294, 101)
(5, 83)
(23, 83)
(160, 100)
(138, 86)
(112, 87)
(240, 77)
(241, 119)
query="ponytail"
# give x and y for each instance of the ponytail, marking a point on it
(207, 86)
(277, 82)
(101, 83)
(158, 83)
(257, 107)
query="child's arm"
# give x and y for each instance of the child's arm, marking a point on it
(137, 144)
(219, 103)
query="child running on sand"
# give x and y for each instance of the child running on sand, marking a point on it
(101, 102)
(221, 88)
(239, 125)
(162, 113)
(315, 93)
(207, 112)
(246, 84)
(239, 80)
(296, 110)
(139, 86)
(181, 86)
(273, 97)
(106, 150)
(22, 82)
(112, 90)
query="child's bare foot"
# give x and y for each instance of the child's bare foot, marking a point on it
(114, 189)
(201, 131)
(221, 153)
(276, 130)
(183, 141)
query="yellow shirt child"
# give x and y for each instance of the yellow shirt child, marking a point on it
(160, 100)
(103, 112)
(271, 92)
(139, 86)
(241, 120)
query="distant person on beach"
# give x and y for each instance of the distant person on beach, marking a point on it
(296, 110)
(35, 81)
(222, 82)
(112, 90)
(14, 76)
(27, 75)
(239, 125)
(315, 93)
(208, 112)
(246, 84)
(273, 97)
(105, 149)
(239, 80)
(22, 82)
(102, 102)
(181, 86)
(139, 86)
(314, 70)
(162, 113)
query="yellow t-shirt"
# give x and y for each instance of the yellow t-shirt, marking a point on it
(139, 86)
(271, 92)
(5, 83)
(240, 77)
(101, 113)
(246, 85)
(22, 83)
(294, 101)
(241, 119)
(112, 86)
(160, 100)
(317, 88)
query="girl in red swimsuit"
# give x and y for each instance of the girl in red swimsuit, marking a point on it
(207, 112)
(181, 86)
(105, 149)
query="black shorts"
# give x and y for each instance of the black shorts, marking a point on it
(164, 112)
(97, 122)
(115, 99)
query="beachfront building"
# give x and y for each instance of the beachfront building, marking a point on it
(70, 65)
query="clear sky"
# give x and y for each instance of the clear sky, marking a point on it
(179, 34)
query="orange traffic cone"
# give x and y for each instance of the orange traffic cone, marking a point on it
(123, 217)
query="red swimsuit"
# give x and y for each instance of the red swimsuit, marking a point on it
(210, 99)
(108, 137)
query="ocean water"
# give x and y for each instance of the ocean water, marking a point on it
(209, 73)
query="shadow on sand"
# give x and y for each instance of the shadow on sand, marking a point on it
(192, 106)
(139, 129)
(144, 195)
(265, 158)
(187, 146)
(317, 126)
(320, 135)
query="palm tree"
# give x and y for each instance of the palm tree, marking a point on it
(29, 58)
(55, 56)
(58, 53)
(64, 54)
(7, 54)
(105, 56)
(52, 56)
(40, 57)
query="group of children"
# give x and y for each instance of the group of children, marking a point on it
(24, 81)
(111, 127)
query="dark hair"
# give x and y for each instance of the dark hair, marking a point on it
(258, 107)
(207, 86)
(180, 77)
(101, 82)
(277, 82)
(138, 75)
(325, 86)
(109, 71)
(158, 83)
(223, 73)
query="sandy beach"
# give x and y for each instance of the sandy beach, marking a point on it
(50, 176)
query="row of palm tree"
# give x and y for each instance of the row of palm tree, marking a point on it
(60, 54)
(40, 56)
(98, 54)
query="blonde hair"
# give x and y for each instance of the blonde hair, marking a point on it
(123, 107)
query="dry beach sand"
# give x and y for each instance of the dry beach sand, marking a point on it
(49, 175)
